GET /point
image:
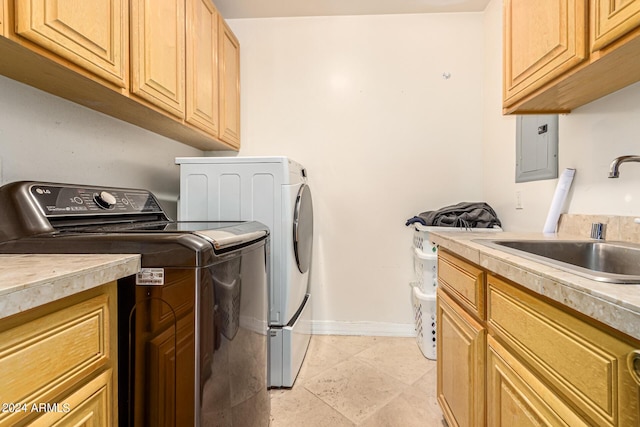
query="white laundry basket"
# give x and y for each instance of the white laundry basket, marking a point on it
(425, 254)
(424, 308)
(421, 240)
(425, 267)
(423, 290)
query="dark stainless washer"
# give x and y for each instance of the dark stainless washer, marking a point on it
(192, 324)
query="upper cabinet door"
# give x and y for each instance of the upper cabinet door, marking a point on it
(2, 6)
(542, 39)
(202, 66)
(158, 53)
(90, 34)
(229, 56)
(611, 19)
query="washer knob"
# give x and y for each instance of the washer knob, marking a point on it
(105, 200)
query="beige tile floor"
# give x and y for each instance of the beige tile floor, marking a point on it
(360, 381)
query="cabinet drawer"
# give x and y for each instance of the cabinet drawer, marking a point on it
(586, 365)
(44, 357)
(463, 281)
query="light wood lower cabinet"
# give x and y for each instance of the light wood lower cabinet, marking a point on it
(90, 406)
(545, 365)
(58, 362)
(584, 364)
(460, 385)
(464, 281)
(516, 397)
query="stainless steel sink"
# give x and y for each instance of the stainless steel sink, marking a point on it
(612, 262)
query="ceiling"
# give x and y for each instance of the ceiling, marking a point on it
(234, 9)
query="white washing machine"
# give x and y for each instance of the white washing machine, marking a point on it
(273, 191)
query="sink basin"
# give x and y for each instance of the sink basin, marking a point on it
(612, 262)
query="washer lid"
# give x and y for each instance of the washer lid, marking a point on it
(224, 240)
(303, 228)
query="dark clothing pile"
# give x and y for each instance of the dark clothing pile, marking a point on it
(463, 215)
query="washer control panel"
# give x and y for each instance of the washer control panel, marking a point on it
(57, 200)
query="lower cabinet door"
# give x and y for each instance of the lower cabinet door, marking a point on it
(585, 364)
(53, 350)
(461, 364)
(517, 398)
(90, 405)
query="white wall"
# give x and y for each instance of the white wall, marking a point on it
(362, 103)
(590, 138)
(43, 137)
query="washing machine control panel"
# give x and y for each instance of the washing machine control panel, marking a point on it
(59, 200)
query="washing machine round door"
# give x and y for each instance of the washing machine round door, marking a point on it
(303, 228)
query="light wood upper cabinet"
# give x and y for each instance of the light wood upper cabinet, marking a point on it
(2, 7)
(202, 66)
(229, 55)
(158, 53)
(560, 55)
(90, 34)
(612, 19)
(543, 39)
(187, 65)
(153, 63)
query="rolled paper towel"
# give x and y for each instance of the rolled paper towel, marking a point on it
(562, 189)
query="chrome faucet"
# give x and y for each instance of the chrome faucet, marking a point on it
(597, 230)
(615, 165)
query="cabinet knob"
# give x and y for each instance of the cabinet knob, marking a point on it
(633, 361)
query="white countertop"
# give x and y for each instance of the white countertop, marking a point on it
(615, 305)
(27, 281)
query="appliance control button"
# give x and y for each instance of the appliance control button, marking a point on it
(105, 200)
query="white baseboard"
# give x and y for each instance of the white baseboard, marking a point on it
(330, 327)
